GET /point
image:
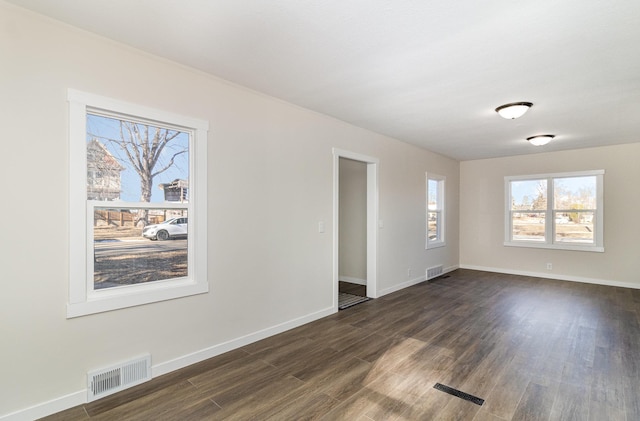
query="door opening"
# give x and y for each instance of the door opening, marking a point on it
(355, 224)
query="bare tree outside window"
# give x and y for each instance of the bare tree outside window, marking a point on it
(144, 150)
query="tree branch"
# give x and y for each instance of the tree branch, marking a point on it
(169, 164)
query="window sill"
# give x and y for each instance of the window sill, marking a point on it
(570, 247)
(436, 245)
(117, 298)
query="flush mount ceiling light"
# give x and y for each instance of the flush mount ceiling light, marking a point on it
(513, 110)
(540, 140)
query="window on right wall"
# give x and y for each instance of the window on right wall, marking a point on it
(435, 211)
(558, 211)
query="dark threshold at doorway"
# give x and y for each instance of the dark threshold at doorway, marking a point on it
(351, 294)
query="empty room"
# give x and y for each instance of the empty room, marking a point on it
(283, 210)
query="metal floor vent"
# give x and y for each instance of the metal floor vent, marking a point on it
(434, 272)
(113, 379)
(459, 394)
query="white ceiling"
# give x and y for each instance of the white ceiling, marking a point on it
(428, 72)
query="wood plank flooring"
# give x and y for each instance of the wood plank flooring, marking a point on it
(533, 349)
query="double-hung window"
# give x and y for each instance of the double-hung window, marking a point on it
(435, 211)
(137, 192)
(562, 211)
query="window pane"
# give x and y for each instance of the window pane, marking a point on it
(574, 193)
(529, 195)
(528, 226)
(432, 188)
(574, 227)
(125, 254)
(136, 162)
(433, 233)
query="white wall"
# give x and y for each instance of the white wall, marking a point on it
(482, 216)
(353, 221)
(270, 182)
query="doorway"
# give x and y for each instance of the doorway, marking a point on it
(356, 224)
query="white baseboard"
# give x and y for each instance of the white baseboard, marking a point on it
(403, 285)
(352, 280)
(556, 276)
(80, 397)
(213, 351)
(450, 269)
(47, 408)
(412, 282)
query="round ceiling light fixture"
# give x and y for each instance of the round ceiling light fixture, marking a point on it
(540, 140)
(513, 110)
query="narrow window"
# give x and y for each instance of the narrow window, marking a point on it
(435, 211)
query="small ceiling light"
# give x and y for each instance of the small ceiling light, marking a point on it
(513, 110)
(540, 140)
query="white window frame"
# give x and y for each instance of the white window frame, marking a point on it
(550, 227)
(440, 238)
(83, 298)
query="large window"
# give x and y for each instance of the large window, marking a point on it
(563, 211)
(435, 211)
(137, 205)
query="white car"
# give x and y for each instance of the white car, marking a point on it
(171, 228)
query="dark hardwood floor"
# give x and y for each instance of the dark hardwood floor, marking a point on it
(533, 349)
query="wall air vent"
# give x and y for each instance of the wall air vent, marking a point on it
(113, 379)
(434, 272)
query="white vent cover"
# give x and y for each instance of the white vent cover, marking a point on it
(434, 272)
(118, 377)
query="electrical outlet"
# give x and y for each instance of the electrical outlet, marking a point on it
(408, 273)
(549, 266)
